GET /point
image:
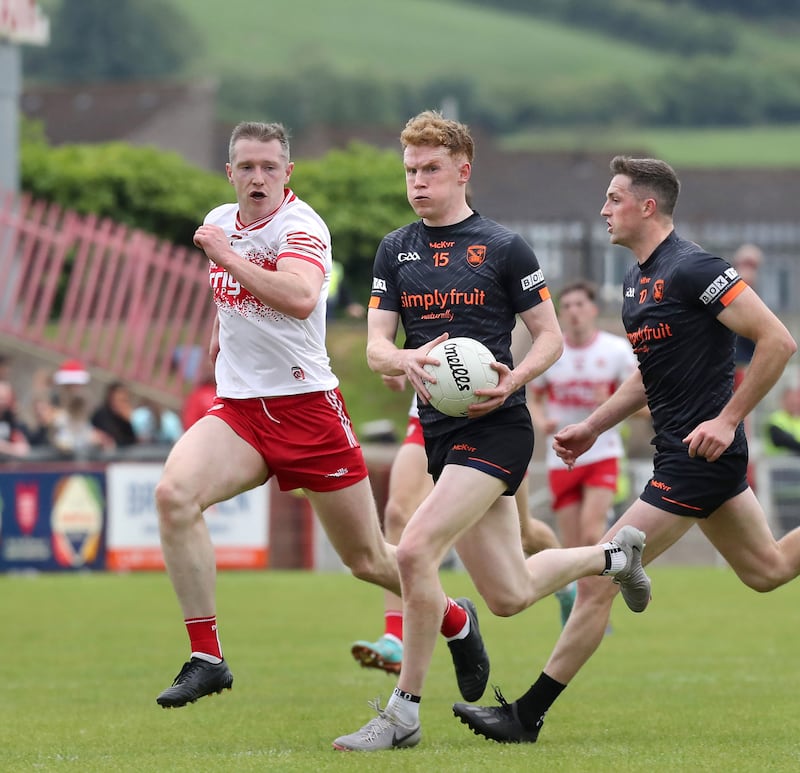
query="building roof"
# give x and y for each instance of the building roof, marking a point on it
(179, 116)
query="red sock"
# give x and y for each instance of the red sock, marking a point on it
(455, 618)
(203, 635)
(393, 623)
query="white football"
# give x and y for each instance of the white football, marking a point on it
(464, 367)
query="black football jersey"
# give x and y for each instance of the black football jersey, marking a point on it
(468, 279)
(686, 356)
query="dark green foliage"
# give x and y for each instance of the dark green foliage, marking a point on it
(715, 92)
(710, 41)
(755, 9)
(359, 192)
(145, 188)
(98, 40)
(669, 27)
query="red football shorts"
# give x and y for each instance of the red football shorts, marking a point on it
(307, 440)
(414, 432)
(567, 485)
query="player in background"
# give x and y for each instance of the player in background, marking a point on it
(409, 484)
(456, 273)
(278, 410)
(591, 368)
(682, 308)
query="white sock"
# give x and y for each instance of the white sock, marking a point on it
(567, 589)
(462, 634)
(616, 560)
(404, 707)
(208, 658)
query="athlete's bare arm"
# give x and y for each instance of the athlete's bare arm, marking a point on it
(292, 289)
(385, 357)
(747, 316)
(571, 441)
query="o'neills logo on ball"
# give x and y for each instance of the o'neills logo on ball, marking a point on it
(458, 370)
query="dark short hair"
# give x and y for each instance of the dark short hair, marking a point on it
(652, 176)
(263, 132)
(579, 285)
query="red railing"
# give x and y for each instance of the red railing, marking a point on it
(125, 303)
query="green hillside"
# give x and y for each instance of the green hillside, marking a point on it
(405, 41)
(494, 55)
(742, 148)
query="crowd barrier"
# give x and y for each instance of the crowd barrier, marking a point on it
(58, 515)
(97, 515)
(67, 516)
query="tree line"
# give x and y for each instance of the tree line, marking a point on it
(359, 192)
(708, 85)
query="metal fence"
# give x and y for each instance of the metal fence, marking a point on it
(117, 298)
(571, 249)
(140, 309)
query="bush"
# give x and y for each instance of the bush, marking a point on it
(359, 192)
(156, 191)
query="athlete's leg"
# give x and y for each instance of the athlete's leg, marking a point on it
(210, 463)
(509, 583)
(593, 516)
(409, 484)
(350, 520)
(536, 534)
(522, 719)
(587, 623)
(568, 518)
(740, 532)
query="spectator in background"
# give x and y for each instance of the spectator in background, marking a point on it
(782, 428)
(781, 438)
(201, 398)
(13, 441)
(155, 425)
(747, 261)
(43, 412)
(113, 416)
(73, 433)
(5, 368)
(340, 299)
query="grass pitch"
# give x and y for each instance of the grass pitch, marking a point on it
(706, 680)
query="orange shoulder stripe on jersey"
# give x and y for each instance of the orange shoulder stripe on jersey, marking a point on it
(734, 292)
(544, 293)
(374, 302)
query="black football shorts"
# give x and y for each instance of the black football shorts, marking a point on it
(686, 485)
(499, 444)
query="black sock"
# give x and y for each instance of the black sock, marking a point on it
(532, 706)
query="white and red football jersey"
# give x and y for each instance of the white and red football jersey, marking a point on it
(581, 379)
(264, 353)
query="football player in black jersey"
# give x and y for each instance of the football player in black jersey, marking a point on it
(682, 310)
(456, 273)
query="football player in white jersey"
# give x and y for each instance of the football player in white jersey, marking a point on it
(278, 410)
(592, 366)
